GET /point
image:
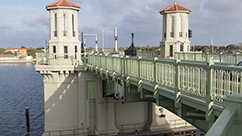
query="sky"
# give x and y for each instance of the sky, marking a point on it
(26, 22)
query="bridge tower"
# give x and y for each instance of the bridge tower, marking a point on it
(174, 31)
(63, 27)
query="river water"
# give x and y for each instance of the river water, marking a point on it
(20, 87)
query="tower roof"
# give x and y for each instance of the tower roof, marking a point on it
(175, 7)
(64, 3)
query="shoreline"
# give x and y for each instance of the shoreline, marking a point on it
(17, 61)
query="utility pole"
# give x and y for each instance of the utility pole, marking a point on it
(116, 38)
(211, 45)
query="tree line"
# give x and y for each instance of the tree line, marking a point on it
(31, 51)
(231, 48)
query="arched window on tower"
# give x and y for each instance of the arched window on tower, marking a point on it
(180, 26)
(171, 50)
(64, 25)
(181, 47)
(73, 27)
(55, 23)
(172, 26)
(164, 25)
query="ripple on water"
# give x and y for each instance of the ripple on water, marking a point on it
(20, 87)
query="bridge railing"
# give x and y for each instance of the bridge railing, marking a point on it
(196, 78)
(59, 59)
(228, 58)
(69, 132)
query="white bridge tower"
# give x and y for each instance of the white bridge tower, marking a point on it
(174, 31)
(63, 28)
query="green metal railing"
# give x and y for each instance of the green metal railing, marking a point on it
(144, 54)
(196, 78)
(228, 58)
(147, 54)
(59, 59)
(192, 77)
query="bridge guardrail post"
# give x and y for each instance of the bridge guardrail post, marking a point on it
(209, 93)
(106, 65)
(184, 56)
(155, 77)
(112, 64)
(138, 59)
(177, 88)
(220, 57)
(195, 56)
(126, 66)
(121, 66)
(176, 55)
(156, 91)
(140, 89)
(236, 58)
(207, 55)
(127, 85)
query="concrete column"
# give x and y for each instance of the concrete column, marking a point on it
(158, 119)
(106, 117)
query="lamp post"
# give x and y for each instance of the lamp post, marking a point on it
(82, 44)
(131, 51)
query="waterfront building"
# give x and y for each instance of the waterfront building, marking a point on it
(77, 99)
(174, 31)
(20, 51)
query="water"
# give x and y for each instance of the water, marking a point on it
(20, 87)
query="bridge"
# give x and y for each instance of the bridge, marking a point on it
(205, 92)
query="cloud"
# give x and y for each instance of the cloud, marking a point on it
(145, 23)
(220, 20)
(17, 7)
(4, 26)
(41, 20)
(28, 38)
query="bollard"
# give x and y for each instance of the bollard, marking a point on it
(27, 119)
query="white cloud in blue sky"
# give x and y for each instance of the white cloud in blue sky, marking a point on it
(26, 22)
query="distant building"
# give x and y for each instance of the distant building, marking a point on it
(19, 51)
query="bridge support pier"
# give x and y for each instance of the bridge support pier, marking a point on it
(158, 118)
(106, 117)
